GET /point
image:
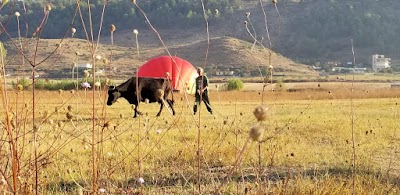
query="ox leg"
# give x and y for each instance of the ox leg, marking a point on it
(170, 103)
(136, 112)
(161, 107)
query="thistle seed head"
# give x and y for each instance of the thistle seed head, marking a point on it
(256, 132)
(20, 87)
(261, 112)
(216, 12)
(140, 180)
(86, 73)
(69, 116)
(102, 190)
(107, 124)
(3, 181)
(112, 28)
(36, 128)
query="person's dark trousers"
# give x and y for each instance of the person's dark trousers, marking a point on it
(206, 101)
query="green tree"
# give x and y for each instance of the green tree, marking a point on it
(234, 84)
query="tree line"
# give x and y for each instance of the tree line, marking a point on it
(324, 28)
(123, 14)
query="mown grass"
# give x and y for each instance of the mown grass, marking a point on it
(307, 145)
(368, 77)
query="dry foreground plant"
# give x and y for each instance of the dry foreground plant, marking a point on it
(305, 146)
(257, 142)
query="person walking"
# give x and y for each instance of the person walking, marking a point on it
(202, 91)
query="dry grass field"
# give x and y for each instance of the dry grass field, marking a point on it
(323, 136)
(306, 146)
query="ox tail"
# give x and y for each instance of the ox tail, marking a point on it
(167, 85)
(172, 99)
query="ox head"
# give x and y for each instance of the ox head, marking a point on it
(113, 95)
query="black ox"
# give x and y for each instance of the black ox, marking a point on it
(154, 90)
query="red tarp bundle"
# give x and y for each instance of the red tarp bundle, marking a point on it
(181, 73)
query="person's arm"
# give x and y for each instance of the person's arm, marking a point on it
(205, 84)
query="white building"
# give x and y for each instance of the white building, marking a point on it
(350, 70)
(379, 62)
(84, 66)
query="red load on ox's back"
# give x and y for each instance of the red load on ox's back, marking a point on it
(181, 73)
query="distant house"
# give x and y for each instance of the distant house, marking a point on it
(379, 62)
(334, 63)
(229, 73)
(84, 66)
(317, 68)
(219, 73)
(224, 72)
(349, 70)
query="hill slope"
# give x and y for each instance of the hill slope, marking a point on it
(223, 53)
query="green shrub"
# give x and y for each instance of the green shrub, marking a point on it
(54, 85)
(234, 84)
(44, 84)
(26, 83)
(280, 86)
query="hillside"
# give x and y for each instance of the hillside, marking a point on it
(224, 53)
(308, 31)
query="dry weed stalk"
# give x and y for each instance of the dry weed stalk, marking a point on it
(354, 168)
